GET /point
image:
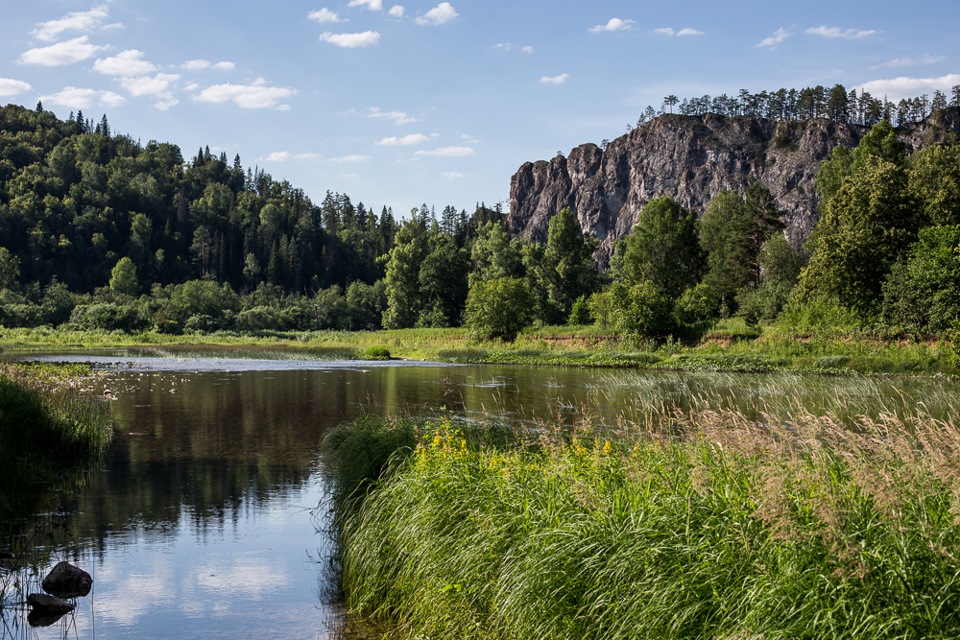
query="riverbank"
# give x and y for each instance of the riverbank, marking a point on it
(701, 524)
(731, 347)
(50, 426)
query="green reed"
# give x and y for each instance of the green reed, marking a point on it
(703, 524)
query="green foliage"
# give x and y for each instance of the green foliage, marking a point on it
(108, 316)
(495, 254)
(123, 278)
(934, 179)
(404, 301)
(47, 428)
(922, 293)
(564, 269)
(867, 226)
(663, 249)
(498, 308)
(640, 309)
(580, 312)
(731, 529)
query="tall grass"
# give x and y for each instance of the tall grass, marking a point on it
(704, 525)
(48, 425)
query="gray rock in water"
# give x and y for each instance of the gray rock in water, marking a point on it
(49, 604)
(67, 581)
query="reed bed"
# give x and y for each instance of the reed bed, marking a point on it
(702, 523)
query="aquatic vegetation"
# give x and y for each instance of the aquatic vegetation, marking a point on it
(704, 523)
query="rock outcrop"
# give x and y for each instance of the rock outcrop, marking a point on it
(692, 158)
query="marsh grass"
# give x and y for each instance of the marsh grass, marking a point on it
(702, 523)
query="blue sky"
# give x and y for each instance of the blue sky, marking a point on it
(401, 103)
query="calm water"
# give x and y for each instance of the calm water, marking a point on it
(203, 521)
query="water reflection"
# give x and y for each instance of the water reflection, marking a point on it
(201, 522)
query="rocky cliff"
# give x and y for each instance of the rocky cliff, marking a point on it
(691, 158)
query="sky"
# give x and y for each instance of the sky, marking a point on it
(417, 101)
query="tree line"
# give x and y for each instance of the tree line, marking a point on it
(100, 232)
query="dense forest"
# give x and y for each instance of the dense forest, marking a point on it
(99, 231)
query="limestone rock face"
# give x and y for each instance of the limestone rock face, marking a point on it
(691, 159)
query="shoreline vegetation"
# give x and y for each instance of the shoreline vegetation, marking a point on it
(732, 346)
(51, 429)
(692, 524)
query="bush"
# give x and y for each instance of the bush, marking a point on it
(498, 308)
(641, 310)
(107, 316)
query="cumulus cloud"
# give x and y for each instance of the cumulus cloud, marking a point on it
(396, 11)
(372, 5)
(397, 117)
(613, 24)
(403, 141)
(157, 85)
(837, 32)
(74, 21)
(440, 14)
(895, 89)
(452, 175)
(125, 63)
(447, 152)
(276, 156)
(678, 33)
(10, 87)
(62, 53)
(352, 40)
(256, 95)
(76, 98)
(779, 36)
(324, 15)
(355, 158)
(508, 46)
(899, 63)
(560, 79)
(200, 65)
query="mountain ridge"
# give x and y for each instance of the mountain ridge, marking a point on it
(692, 159)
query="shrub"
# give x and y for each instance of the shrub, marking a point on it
(498, 308)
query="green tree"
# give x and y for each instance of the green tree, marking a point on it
(402, 280)
(866, 227)
(498, 308)
(922, 292)
(565, 269)
(443, 283)
(123, 278)
(495, 254)
(663, 249)
(934, 179)
(9, 269)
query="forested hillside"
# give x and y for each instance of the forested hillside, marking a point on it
(98, 231)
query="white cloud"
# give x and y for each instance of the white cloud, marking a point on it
(225, 65)
(324, 15)
(276, 156)
(678, 33)
(613, 24)
(125, 63)
(779, 36)
(351, 159)
(447, 152)
(452, 175)
(10, 87)
(372, 5)
(397, 117)
(403, 141)
(352, 40)
(440, 14)
(899, 63)
(62, 53)
(158, 85)
(560, 79)
(248, 96)
(76, 98)
(306, 156)
(509, 46)
(396, 11)
(166, 103)
(195, 65)
(895, 89)
(837, 32)
(74, 21)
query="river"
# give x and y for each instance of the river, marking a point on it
(207, 517)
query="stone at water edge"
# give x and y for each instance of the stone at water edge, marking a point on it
(67, 581)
